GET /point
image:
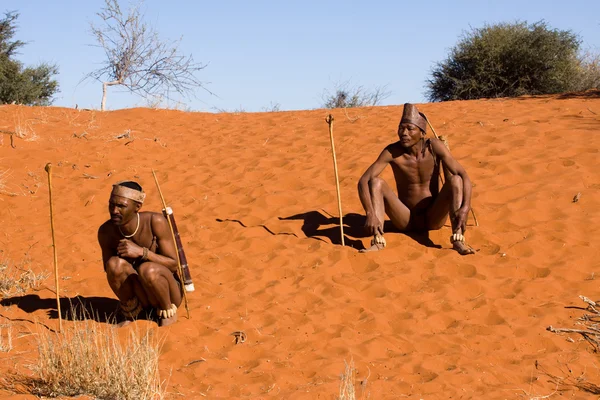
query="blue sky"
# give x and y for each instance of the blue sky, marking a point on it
(284, 52)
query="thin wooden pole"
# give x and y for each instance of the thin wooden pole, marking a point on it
(179, 269)
(441, 175)
(329, 120)
(49, 171)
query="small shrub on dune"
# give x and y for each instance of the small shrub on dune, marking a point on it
(347, 95)
(89, 359)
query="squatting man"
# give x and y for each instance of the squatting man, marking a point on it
(139, 256)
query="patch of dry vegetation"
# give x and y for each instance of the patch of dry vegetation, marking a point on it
(347, 391)
(16, 280)
(588, 328)
(89, 358)
(6, 338)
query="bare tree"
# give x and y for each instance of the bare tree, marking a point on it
(138, 59)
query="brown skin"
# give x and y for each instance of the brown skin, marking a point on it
(419, 205)
(153, 283)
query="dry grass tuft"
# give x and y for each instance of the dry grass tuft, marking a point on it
(89, 358)
(588, 328)
(24, 129)
(6, 338)
(3, 178)
(18, 279)
(347, 391)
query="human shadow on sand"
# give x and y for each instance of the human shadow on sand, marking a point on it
(100, 309)
(317, 225)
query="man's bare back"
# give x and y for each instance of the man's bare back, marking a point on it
(419, 204)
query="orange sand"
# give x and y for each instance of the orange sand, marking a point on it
(419, 322)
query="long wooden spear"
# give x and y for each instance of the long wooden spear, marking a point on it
(329, 121)
(179, 269)
(48, 169)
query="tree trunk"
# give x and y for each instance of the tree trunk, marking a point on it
(105, 85)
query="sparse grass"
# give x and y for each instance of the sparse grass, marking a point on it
(347, 391)
(5, 338)
(588, 328)
(24, 129)
(272, 107)
(3, 178)
(89, 358)
(18, 279)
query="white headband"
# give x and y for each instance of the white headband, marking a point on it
(128, 193)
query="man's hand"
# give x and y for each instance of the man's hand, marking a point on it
(128, 249)
(373, 225)
(460, 218)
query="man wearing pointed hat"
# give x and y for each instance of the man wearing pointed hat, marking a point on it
(419, 205)
(139, 256)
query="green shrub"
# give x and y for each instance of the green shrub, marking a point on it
(512, 59)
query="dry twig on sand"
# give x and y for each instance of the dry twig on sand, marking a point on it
(591, 333)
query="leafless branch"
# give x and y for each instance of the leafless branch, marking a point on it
(136, 58)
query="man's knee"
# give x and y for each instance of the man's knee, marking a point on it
(117, 266)
(456, 181)
(376, 184)
(150, 272)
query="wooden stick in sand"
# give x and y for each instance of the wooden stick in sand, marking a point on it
(329, 120)
(179, 270)
(49, 171)
(441, 175)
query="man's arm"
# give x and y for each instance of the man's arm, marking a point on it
(168, 252)
(107, 251)
(363, 184)
(455, 168)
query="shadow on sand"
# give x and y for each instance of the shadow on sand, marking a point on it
(99, 309)
(319, 226)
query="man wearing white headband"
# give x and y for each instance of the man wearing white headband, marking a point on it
(139, 256)
(420, 205)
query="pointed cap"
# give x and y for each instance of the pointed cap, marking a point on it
(412, 116)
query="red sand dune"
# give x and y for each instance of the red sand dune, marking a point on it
(255, 199)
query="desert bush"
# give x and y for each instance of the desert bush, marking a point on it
(589, 72)
(347, 95)
(511, 59)
(89, 359)
(272, 107)
(20, 84)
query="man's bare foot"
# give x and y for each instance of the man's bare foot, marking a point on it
(167, 321)
(167, 317)
(374, 247)
(462, 248)
(458, 244)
